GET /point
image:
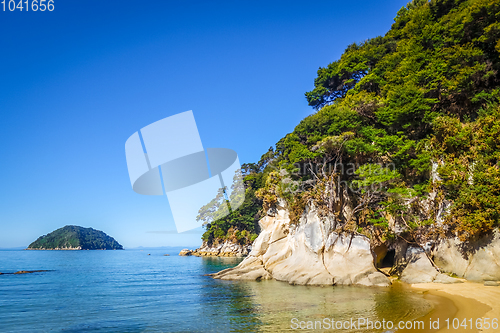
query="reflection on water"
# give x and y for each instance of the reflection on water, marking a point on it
(270, 306)
(145, 291)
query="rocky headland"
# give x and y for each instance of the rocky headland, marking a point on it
(224, 249)
(311, 252)
(394, 175)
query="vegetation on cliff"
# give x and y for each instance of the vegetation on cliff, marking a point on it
(75, 237)
(239, 226)
(405, 141)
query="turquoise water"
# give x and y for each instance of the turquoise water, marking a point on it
(131, 291)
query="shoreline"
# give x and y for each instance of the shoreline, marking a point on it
(467, 300)
(68, 249)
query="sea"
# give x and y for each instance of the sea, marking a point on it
(155, 290)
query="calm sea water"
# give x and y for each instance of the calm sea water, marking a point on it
(131, 291)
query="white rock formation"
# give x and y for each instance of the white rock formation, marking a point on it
(226, 249)
(309, 253)
(480, 261)
(186, 252)
(421, 270)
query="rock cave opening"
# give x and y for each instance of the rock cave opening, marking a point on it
(388, 260)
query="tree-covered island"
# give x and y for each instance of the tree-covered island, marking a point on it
(72, 237)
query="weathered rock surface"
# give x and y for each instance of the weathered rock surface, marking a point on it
(491, 283)
(186, 252)
(420, 269)
(479, 261)
(249, 269)
(350, 261)
(312, 253)
(226, 249)
(309, 253)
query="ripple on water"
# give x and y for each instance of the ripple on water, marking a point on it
(129, 291)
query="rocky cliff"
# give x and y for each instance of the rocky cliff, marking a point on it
(225, 249)
(475, 261)
(311, 252)
(308, 253)
(397, 170)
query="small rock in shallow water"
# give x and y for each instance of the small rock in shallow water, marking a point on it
(185, 252)
(491, 283)
(27, 272)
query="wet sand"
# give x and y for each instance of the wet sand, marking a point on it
(465, 301)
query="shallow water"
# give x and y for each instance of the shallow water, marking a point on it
(131, 291)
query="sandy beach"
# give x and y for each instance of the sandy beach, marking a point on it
(465, 301)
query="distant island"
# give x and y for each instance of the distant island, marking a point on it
(72, 237)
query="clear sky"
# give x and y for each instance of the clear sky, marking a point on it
(75, 83)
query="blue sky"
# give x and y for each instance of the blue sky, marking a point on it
(75, 83)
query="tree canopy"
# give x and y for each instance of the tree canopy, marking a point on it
(420, 102)
(72, 236)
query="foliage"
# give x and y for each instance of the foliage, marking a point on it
(470, 172)
(241, 225)
(215, 209)
(427, 92)
(72, 236)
